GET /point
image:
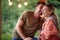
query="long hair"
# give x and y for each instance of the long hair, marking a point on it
(55, 18)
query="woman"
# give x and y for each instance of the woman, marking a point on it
(50, 29)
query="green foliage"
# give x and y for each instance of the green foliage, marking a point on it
(56, 3)
(6, 36)
(10, 15)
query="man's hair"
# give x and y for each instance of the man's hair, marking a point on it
(40, 3)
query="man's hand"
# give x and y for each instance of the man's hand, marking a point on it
(28, 38)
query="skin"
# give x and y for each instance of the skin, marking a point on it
(21, 22)
(38, 10)
(46, 12)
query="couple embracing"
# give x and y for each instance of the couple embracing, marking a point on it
(42, 20)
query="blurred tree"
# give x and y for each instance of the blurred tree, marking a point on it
(56, 3)
(58, 0)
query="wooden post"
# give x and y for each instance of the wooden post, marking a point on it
(43, 1)
(0, 19)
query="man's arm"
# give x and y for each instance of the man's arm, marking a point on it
(19, 28)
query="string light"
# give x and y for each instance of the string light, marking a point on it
(18, 0)
(25, 3)
(10, 3)
(9, 0)
(19, 5)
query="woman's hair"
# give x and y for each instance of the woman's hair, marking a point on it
(51, 7)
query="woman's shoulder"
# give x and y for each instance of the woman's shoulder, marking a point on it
(48, 21)
(50, 18)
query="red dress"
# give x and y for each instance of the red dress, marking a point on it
(49, 31)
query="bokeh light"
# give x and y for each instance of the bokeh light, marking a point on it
(10, 3)
(25, 3)
(19, 5)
